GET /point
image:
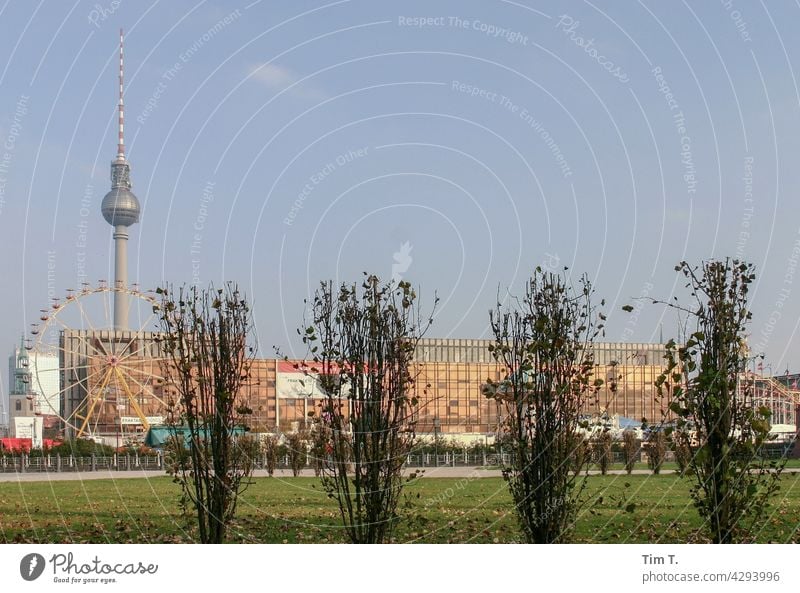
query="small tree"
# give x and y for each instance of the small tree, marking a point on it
(580, 457)
(297, 451)
(630, 449)
(711, 393)
(361, 343)
(545, 345)
(319, 447)
(270, 450)
(601, 448)
(682, 449)
(205, 343)
(656, 446)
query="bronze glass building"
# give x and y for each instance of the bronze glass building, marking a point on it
(449, 376)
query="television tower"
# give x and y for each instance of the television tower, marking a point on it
(121, 209)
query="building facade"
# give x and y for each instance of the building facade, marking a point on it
(34, 374)
(45, 383)
(21, 398)
(449, 376)
(127, 394)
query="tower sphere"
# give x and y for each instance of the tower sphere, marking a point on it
(121, 207)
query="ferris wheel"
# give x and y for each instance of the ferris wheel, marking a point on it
(106, 382)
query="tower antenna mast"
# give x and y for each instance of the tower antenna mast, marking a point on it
(121, 144)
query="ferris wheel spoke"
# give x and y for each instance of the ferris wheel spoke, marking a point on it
(92, 328)
(44, 374)
(89, 346)
(84, 315)
(148, 372)
(102, 403)
(147, 366)
(68, 420)
(148, 390)
(115, 414)
(80, 384)
(95, 400)
(132, 399)
(121, 355)
(137, 335)
(86, 385)
(143, 380)
(52, 408)
(152, 313)
(70, 367)
(104, 297)
(96, 416)
(74, 372)
(91, 389)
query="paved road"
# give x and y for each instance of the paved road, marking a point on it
(429, 472)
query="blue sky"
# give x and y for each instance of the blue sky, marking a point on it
(453, 144)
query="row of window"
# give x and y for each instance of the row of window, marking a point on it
(477, 351)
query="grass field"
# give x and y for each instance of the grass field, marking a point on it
(437, 510)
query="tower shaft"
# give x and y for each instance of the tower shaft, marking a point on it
(120, 277)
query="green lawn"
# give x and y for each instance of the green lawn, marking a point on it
(294, 510)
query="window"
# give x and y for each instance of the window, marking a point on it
(19, 406)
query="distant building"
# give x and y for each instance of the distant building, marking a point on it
(791, 382)
(20, 396)
(45, 383)
(449, 376)
(784, 402)
(33, 374)
(3, 410)
(19, 372)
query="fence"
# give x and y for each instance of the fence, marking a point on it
(71, 463)
(457, 459)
